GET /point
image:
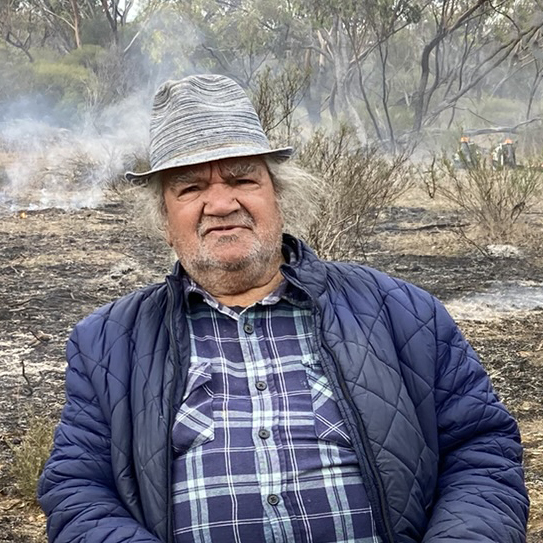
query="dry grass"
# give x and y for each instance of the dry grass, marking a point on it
(532, 437)
(535, 521)
(524, 233)
(30, 455)
(69, 233)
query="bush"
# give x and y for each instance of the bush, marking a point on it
(493, 200)
(276, 99)
(360, 182)
(63, 85)
(30, 455)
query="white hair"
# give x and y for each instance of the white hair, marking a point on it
(298, 194)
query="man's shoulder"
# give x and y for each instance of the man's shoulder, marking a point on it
(338, 274)
(353, 275)
(354, 284)
(126, 311)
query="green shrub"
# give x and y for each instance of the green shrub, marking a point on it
(88, 56)
(64, 84)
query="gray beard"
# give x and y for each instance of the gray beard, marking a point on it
(207, 263)
(235, 277)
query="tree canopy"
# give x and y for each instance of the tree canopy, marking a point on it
(395, 70)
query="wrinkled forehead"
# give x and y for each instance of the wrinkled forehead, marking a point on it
(229, 168)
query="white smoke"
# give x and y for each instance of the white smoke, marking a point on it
(500, 300)
(43, 164)
(47, 166)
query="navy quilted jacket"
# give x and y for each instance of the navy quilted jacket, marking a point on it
(439, 454)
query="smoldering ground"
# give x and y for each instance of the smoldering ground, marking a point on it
(57, 265)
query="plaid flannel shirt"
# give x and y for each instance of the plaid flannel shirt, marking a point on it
(260, 449)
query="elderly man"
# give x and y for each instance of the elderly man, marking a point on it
(261, 394)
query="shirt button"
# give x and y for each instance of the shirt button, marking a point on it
(263, 433)
(248, 327)
(273, 499)
(261, 385)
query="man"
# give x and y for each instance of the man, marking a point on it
(261, 394)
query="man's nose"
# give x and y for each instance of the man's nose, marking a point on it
(220, 199)
(220, 196)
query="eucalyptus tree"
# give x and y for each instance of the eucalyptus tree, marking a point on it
(390, 68)
(344, 36)
(332, 39)
(462, 44)
(238, 37)
(20, 26)
(42, 23)
(522, 73)
(59, 24)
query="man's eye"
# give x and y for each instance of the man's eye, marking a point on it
(187, 190)
(245, 181)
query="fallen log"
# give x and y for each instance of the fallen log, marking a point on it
(499, 129)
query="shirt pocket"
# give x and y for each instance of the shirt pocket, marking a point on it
(329, 424)
(194, 424)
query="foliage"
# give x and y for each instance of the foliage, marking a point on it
(168, 45)
(95, 31)
(30, 455)
(276, 98)
(390, 68)
(238, 38)
(16, 81)
(88, 56)
(62, 85)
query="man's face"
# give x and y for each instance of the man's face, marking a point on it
(223, 216)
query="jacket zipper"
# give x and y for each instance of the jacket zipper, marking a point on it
(365, 443)
(387, 528)
(173, 348)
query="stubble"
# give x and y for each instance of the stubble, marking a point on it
(233, 276)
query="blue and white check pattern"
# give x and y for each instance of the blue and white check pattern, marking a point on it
(260, 449)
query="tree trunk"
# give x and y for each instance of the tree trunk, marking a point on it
(421, 101)
(112, 20)
(339, 47)
(77, 20)
(24, 47)
(533, 88)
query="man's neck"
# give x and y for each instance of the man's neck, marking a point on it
(251, 296)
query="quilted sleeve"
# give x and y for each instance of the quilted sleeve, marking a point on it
(481, 496)
(76, 489)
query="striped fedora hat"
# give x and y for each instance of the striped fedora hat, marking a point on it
(203, 118)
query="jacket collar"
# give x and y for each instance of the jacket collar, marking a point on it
(307, 270)
(302, 267)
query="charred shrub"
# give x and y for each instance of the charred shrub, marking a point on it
(353, 183)
(493, 199)
(359, 183)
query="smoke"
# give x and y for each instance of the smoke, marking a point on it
(500, 300)
(49, 166)
(49, 158)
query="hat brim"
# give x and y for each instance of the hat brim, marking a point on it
(283, 153)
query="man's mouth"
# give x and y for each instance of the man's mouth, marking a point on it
(225, 228)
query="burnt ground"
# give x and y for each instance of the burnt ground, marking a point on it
(57, 266)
